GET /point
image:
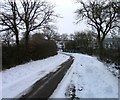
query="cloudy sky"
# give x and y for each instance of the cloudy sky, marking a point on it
(66, 9)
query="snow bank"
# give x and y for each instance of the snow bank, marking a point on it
(17, 80)
(114, 69)
(87, 78)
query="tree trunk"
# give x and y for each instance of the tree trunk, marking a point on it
(100, 45)
(27, 39)
(101, 49)
(17, 39)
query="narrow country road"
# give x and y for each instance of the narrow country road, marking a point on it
(46, 86)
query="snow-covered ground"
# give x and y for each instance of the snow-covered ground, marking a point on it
(18, 80)
(113, 68)
(87, 78)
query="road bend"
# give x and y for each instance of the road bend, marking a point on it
(46, 86)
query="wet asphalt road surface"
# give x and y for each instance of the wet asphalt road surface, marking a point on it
(46, 86)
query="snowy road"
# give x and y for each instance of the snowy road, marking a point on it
(45, 86)
(87, 78)
(18, 80)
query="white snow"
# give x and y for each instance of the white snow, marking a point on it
(18, 80)
(89, 77)
(113, 68)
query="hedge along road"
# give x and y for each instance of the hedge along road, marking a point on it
(46, 86)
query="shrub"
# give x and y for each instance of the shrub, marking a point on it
(13, 55)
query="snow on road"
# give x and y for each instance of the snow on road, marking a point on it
(87, 78)
(17, 80)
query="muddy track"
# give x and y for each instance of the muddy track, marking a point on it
(46, 86)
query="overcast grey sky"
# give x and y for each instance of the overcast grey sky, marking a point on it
(66, 9)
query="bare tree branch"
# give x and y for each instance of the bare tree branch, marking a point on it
(9, 19)
(102, 15)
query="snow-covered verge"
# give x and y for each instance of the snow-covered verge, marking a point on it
(113, 68)
(18, 80)
(87, 78)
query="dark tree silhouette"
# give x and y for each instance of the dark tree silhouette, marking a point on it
(102, 15)
(9, 19)
(50, 32)
(25, 17)
(35, 15)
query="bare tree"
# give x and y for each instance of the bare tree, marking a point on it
(7, 38)
(102, 15)
(9, 19)
(64, 37)
(50, 32)
(56, 36)
(83, 40)
(35, 14)
(71, 36)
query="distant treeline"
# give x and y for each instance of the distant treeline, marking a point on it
(86, 43)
